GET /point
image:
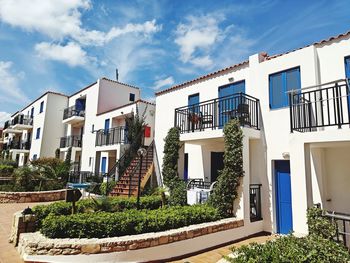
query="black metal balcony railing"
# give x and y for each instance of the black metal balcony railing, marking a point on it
(14, 145)
(70, 141)
(328, 105)
(7, 124)
(255, 202)
(22, 119)
(72, 111)
(342, 224)
(111, 136)
(25, 145)
(215, 113)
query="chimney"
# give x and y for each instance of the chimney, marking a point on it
(116, 74)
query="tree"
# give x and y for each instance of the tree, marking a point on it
(226, 188)
(177, 187)
(57, 153)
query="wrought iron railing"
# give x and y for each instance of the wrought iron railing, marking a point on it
(22, 119)
(118, 168)
(198, 183)
(326, 105)
(111, 136)
(72, 111)
(255, 202)
(7, 124)
(342, 223)
(215, 113)
(70, 141)
(81, 177)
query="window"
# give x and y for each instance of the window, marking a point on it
(106, 126)
(35, 157)
(90, 161)
(32, 112)
(131, 97)
(347, 67)
(92, 128)
(37, 133)
(41, 107)
(280, 83)
(193, 100)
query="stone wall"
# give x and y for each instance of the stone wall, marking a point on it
(31, 197)
(36, 244)
(19, 226)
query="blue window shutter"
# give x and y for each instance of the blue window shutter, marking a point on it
(37, 133)
(131, 97)
(106, 125)
(32, 112)
(41, 107)
(193, 99)
(280, 83)
(347, 67)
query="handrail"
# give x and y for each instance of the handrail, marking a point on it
(112, 171)
(159, 177)
(317, 85)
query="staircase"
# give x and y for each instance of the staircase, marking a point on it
(127, 184)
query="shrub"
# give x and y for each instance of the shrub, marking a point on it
(106, 188)
(8, 162)
(225, 191)
(89, 205)
(6, 170)
(177, 187)
(25, 179)
(292, 249)
(320, 225)
(128, 222)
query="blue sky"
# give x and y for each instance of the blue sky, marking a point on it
(64, 45)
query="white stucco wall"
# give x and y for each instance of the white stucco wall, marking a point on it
(318, 64)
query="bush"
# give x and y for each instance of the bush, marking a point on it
(106, 188)
(178, 195)
(128, 222)
(292, 249)
(90, 205)
(8, 162)
(226, 188)
(320, 225)
(6, 170)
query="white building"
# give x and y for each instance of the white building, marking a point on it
(95, 124)
(35, 131)
(297, 155)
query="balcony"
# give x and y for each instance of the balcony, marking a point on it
(116, 135)
(320, 106)
(21, 122)
(70, 141)
(214, 114)
(21, 146)
(73, 115)
(8, 128)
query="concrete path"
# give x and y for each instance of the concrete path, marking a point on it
(215, 255)
(8, 253)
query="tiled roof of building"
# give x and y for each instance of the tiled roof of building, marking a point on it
(125, 105)
(267, 57)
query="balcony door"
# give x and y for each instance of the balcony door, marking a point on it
(347, 75)
(80, 105)
(227, 105)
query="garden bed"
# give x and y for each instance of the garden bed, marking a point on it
(30, 197)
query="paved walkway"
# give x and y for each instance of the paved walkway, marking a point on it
(8, 253)
(215, 255)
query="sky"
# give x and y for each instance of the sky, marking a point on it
(64, 45)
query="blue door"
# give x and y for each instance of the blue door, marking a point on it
(193, 114)
(186, 167)
(347, 75)
(80, 105)
(103, 165)
(283, 197)
(106, 125)
(226, 105)
(193, 100)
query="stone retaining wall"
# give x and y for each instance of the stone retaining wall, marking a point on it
(37, 244)
(31, 197)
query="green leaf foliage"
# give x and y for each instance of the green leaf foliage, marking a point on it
(6, 170)
(320, 225)
(225, 190)
(128, 222)
(310, 249)
(106, 188)
(109, 204)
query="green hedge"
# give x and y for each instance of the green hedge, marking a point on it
(292, 249)
(110, 204)
(6, 170)
(320, 225)
(128, 222)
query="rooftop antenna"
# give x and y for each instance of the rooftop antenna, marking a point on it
(116, 74)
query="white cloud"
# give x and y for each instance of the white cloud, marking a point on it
(205, 43)
(163, 82)
(9, 84)
(4, 116)
(62, 18)
(72, 53)
(198, 34)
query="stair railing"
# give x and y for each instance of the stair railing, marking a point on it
(149, 150)
(115, 170)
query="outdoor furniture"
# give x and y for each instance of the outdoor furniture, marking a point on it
(206, 120)
(242, 113)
